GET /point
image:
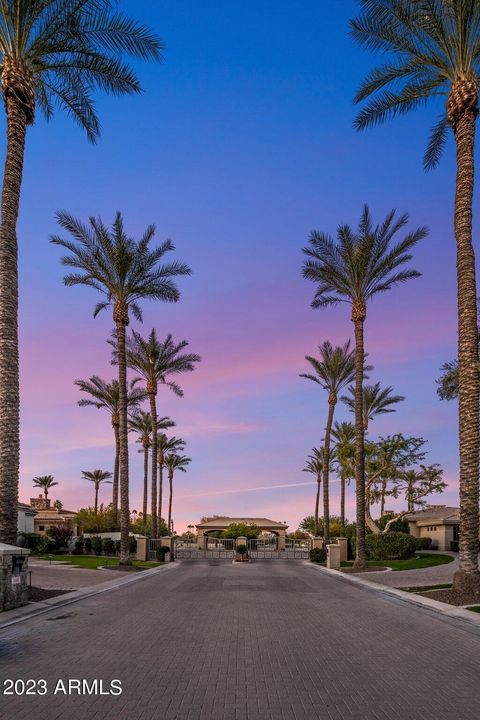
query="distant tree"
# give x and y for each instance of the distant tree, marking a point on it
(344, 437)
(174, 463)
(45, 482)
(376, 401)
(97, 477)
(448, 381)
(308, 525)
(60, 535)
(101, 521)
(58, 505)
(235, 530)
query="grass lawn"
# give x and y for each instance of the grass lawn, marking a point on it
(92, 562)
(416, 563)
(474, 608)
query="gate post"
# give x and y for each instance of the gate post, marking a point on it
(343, 542)
(317, 542)
(170, 543)
(142, 548)
(281, 540)
(333, 557)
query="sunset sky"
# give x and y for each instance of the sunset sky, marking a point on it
(241, 144)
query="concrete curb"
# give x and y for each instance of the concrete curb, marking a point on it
(439, 608)
(33, 609)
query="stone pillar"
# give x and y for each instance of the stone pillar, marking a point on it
(333, 557)
(170, 543)
(142, 548)
(200, 539)
(317, 542)
(13, 576)
(343, 542)
(281, 540)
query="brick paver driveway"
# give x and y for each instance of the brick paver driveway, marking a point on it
(270, 640)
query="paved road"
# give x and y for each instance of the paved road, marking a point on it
(59, 576)
(415, 578)
(277, 640)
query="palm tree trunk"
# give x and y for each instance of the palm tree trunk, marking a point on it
(96, 499)
(342, 501)
(9, 385)
(153, 413)
(160, 488)
(358, 317)
(145, 487)
(123, 436)
(170, 482)
(317, 504)
(467, 576)
(116, 474)
(326, 469)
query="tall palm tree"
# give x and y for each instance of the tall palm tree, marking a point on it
(106, 396)
(314, 465)
(344, 436)
(55, 54)
(125, 271)
(165, 445)
(97, 477)
(45, 482)
(141, 423)
(173, 463)
(333, 370)
(353, 269)
(156, 362)
(376, 401)
(433, 50)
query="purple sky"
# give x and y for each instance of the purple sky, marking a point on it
(241, 144)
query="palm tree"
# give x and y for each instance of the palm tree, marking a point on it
(55, 54)
(156, 362)
(165, 445)
(333, 371)
(97, 477)
(125, 271)
(106, 396)
(376, 401)
(344, 435)
(173, 463)
(354, 269)
(141, 423)
(433, 50)
(45, 482)
(314, 465)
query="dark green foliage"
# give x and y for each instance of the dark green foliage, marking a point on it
(34, 542)
(392, 546)
(132, 545)
(108, 546)
(117, 546)
(235, 530)
(424, 543)
(101, 521)
(242, 550)
(88, 545)
(79, 546)
(160, 552)
(400, 525)
(318, 555)
(60, 535)
(97, 545)
(454, 546)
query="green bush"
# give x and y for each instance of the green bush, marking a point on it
(108, 546)
(318, 555)
(424, 543)
(454, 546)
(242, 549)
(132, 545)
(391, 546)
(160, 552)
(118, 545)
(97, 545)
(36, 543)
(60, 536)
(79, 546)
(88, 545)
(400, 525)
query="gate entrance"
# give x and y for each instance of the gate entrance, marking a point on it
(260, 549)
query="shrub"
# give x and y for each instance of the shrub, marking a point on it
(88, 545)
(60, 535)
(454, 546)
(36, 543)
(132, 545)
(97, 545)
(97, 522)
(400, 525)
(391, 546)
(242, 549)
(108, 546)
(79, 546)
(160, 552)
(424, 543)
(118, 545)
(318, 555)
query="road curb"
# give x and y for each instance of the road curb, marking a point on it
(435, 606)
(33, 609)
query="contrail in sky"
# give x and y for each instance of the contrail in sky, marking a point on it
(250, 489)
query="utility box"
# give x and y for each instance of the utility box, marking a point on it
(13, 576)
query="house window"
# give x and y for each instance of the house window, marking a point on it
(41, 527)
(456, 534)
